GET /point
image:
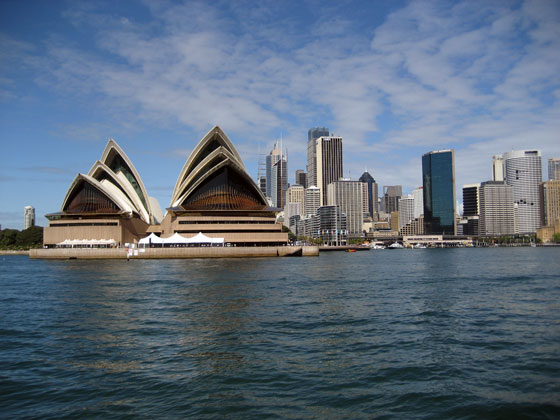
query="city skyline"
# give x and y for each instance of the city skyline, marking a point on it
(393, 80)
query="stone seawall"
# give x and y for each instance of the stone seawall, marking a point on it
(162, 253)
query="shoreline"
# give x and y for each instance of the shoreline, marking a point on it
(14, 252)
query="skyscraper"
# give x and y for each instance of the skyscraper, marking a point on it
(470, 200)
(312, 135)
(550, 193)
(279, 181)
(438, 176)
(554, 169)
(406, 210)
(372, 192)
(496, 209)
(523, 171)
(312, 200)
(497, 168)
(347, 195)
(277, 176)
(28, 217)
(301, 178)
(391, 196)
(332, 225)
(471, 209)
(418, 195)
(328, 161)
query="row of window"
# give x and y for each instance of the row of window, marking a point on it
(225, 222)
(85, 224)
(230, 231)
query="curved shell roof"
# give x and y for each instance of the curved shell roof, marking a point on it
(112, 183)
(214, 178)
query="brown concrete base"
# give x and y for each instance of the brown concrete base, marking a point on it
(162, 253)
(8, 252)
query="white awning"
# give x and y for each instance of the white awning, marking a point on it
(153, 238)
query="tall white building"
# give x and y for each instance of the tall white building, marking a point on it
(28, 217)
(406, 210)
(496, 209)
(348, 196)
(312, 135)
(497, 168)
(312, 200)
(523, 171)
(418, 195)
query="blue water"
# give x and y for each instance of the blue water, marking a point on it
(404, 334)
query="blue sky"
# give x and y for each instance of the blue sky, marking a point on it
(394, 79)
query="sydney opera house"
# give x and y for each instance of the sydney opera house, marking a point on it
(214, 195)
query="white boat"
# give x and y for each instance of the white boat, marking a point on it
(395, 245)
(376, 246)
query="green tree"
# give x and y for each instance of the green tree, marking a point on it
(30, 237)
(556, 238)
(8, 237)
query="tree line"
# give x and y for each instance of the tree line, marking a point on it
(21, 239)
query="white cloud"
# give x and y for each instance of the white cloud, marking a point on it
(475, 76)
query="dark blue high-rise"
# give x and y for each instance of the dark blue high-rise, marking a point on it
(438, 176)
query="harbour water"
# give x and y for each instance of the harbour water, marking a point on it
(404, 334)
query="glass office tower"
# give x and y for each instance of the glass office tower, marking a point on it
(438, 174)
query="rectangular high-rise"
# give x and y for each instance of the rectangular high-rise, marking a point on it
(328, 162)
(348, 196)
(523, 171)
(371, 193)
(406, 211)
(276, 176)
(312, 135)
(496, 209)
(391, 196)
(438, 178)
(301, 178)
(554, 169)
(470, 200)
(497, 168)
(312, 200)
(550, 198)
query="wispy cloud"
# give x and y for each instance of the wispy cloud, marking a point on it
(481, 77)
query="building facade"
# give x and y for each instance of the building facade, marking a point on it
(418, 195)
(28, 217)
(438, 176)
(332, 225)
(496, 209)
(328, 154)
(406, 211)
(554, 169)
(391, 196)
(497, 168)
(312, 135)
(347, 195)
(550, 199)
(372, 193)
(523, 171)
(279, 182)
(312, 200)
(301, 178)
